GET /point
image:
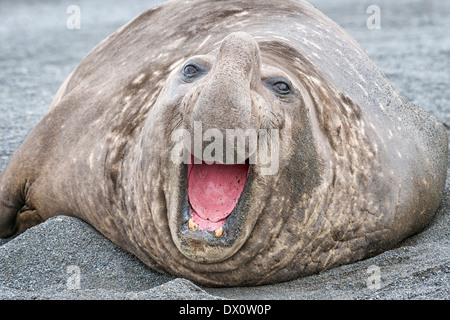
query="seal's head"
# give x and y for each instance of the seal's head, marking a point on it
(230, 177)
(232, 108)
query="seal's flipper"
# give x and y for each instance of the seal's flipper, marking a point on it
(15, 215)
(11, 203)
(27, 218)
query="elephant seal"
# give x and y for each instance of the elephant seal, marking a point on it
(356, 168)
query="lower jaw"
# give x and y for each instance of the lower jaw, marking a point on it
(196, 223)
(191, 226)
(211, 245)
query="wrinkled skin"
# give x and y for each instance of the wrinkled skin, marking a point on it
(360, 169)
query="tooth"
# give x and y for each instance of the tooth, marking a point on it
(218, 232)
(192, 225)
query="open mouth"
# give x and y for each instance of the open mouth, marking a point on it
(214, 191)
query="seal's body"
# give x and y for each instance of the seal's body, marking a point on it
(358, 168)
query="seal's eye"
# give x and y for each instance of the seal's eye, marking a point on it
(282, 87)
(279, 85)
(193, 70)
(190, 70)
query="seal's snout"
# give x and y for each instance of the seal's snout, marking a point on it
(225, 100)
(239, 57)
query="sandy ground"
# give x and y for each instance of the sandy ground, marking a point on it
(37, 52)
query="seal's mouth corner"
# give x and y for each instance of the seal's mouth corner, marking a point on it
(214, 191)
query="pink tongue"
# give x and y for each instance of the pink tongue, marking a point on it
(214, 190)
